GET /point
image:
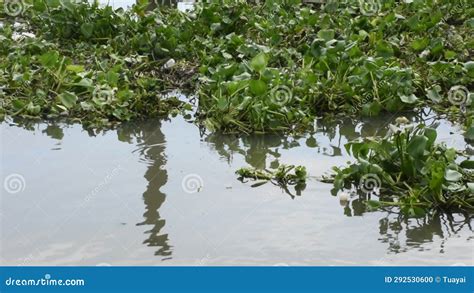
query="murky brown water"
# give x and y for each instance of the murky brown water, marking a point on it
(157, 193)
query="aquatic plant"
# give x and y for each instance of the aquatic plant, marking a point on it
(256, 66)
(283, 176)
(76, 60)
(410, 170)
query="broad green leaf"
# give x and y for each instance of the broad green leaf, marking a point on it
(259, 62)
(433, 94)
(431, 134)
(68, 99)
(33, 109)
(49, 59)
(448, 54)
(75, 68)
(452, 175)
(467, 164)
(469, 135)
(258, 87)
(417, 146)
(410, 99)
(384, 49)
(326, 35)
(87, 29)
(420, 44)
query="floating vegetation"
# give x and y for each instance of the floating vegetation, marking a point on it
(283, 176)
(260, 66)
(409, 170)
(256, 66)
(79, 61)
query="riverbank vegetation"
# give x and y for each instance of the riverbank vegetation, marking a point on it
(409, 169)
(267, 66)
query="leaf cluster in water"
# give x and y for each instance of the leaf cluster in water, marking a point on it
(266, 66)
(409, 169)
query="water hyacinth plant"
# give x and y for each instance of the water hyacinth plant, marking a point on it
(409, 169)
(255, 66)
(283, 176)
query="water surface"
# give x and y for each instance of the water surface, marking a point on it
(161, 193)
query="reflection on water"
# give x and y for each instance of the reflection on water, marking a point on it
(151, 147)
(171, 218)
(402, 234)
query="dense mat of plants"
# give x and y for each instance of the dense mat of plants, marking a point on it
(409, 169)
(254, 65)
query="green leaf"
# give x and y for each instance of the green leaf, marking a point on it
(259, 62)
(33, 109)
(258, 87)
(410, 99)
(469, 66)
(85, 82)
(431, 134)
(75, 68)
(49, 59)
(437, 175)
(420, 44)
(87, 29)
(371, 109)
(470, 185)
(469, 135)
(326, 35)
(416, 147)
(452, 175)
(68, 99)
(433, 94)
(448, 54)
(467, 164)
(384, 49)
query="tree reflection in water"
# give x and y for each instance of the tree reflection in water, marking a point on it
(151, 147)
(264, 151)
